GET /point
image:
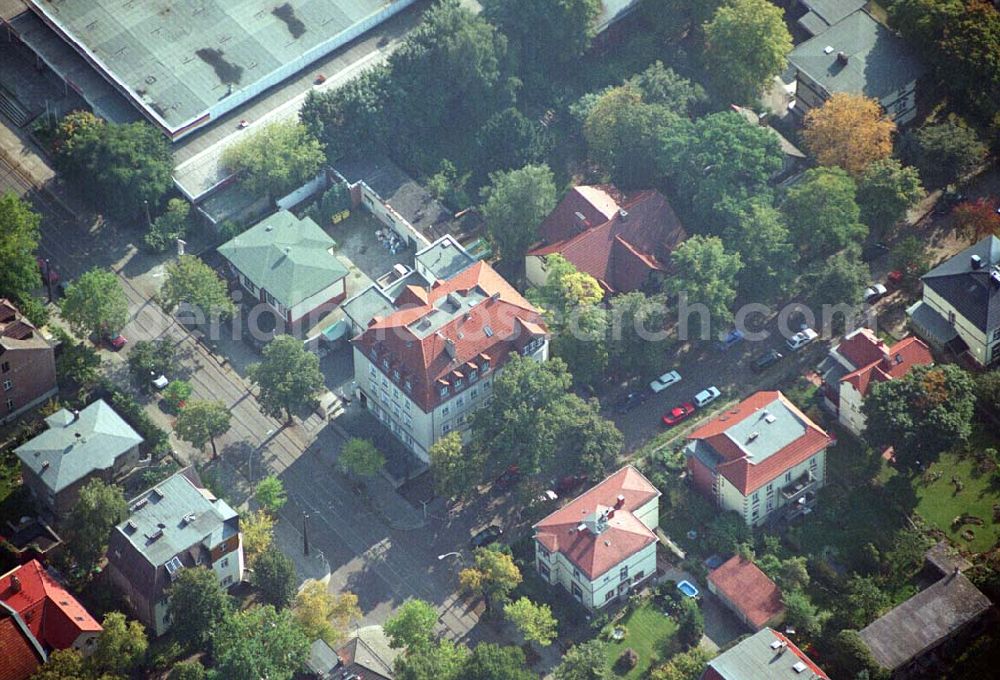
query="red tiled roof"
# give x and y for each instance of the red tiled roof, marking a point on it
(861, 348)
(54, 616)
(736, 467)
(624, 536)
(898, 361)
(620, 251)
(19, 658)
(748, 589)
(514, 322)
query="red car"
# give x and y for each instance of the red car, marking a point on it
(508, 479)
(117, 341)
(678, 413)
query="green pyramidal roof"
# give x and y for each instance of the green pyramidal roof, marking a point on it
(291, 259)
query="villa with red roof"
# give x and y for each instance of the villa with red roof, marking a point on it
(425, 363)
(623, 241)
(600, 546)
(860, 361)
(765, 654)
(763, 459)
(51, 615)
(748, 592)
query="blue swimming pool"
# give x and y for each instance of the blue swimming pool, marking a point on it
(687, 588)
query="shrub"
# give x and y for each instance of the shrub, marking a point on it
(627, 661)
(176, 394)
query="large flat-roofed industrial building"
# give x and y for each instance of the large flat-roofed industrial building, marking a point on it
(184, 63)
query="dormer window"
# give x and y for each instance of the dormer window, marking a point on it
(473, 375)
(385, 363)
(395, 375)
(485, 368)
(458, 384)
(374, 353)
(408, 386)
(444, 390)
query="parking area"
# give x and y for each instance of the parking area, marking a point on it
(358, 242)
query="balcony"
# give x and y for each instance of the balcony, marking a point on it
(799, 486)
(803, 506)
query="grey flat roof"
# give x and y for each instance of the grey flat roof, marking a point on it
(878, 61)
(179, 59)
(924, 620)
(764, 433)
(444, 258)
(69, 449)
(173, 516)
(824, 13)
(756, 659)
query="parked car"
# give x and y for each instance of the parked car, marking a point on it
(159, 382)
(895, 277)
(727, 340)
(678, 413)
(508, 478)
(116, 341)
(765, 360)
(485, 537)
(570, 483)
(631, 400)
(875, 292)
(707, 396)
(801, 339)
(665, 381)
(949, 199)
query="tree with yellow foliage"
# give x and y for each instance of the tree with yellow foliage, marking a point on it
(494, 576)
(323, 615)
(258, 533)
(850, 131)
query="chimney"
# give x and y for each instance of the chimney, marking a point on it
(623, 213)
(620, 501)
(76, 415)
(15, 584)
(581, 527)
(842, 58)
(976, 262)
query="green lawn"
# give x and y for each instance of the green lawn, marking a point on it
(650, 634)
(939, 502)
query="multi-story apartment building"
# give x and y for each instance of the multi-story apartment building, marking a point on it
(27, 364)
(426, 363)
(601, 545)
(763, 458)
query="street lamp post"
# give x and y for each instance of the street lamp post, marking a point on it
(305, 534)
(149, 222)
(48, 277)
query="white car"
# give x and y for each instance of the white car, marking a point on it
(665, 381)
(707, 396)
(160, 382)
(801, 339)
(875, 292)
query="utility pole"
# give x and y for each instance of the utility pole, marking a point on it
(305, 534)
(149, 222)
(48, 277)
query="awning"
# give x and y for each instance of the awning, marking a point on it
(930, 324)
(337, 330)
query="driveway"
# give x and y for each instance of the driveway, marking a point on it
(721, 625)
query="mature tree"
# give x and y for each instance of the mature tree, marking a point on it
(746, 45)
(863, 601)
(187, 670)
(691, 623)
(726, 532)
(191, 282)
(120, 647)
(493, 576)
(201, 421)
(761, 238)
(148, 359)
(514, 203)
(509, 139)
(969, 55)
(565, 289)
(687, 665)
(18, 242)
(545, 35)
(493, 662)
(288, 378)
(584, 661)
(274, 576)
(259, 642)
(270, 494)
(910, 257)
(943, 152)
(926, 412)
(622, 132)
(800, 613)
(534, 621)
(850, 131)
(353, 117)
(635, 344)
(454, 472)
(822, 212)
(98, 509)
(276, 159)
(442, 660)
(793, 574)
(448, 185)
(360, 457)
(168, 227)
(258, 533)
(662, 85)
(95, 303)
(198, 601)
(581, 341)
(705, 274)
(977, 219)
(128, 166)
(78, 362)
(854, 656)
(840, 280)
(675, 19)
(722, 161)
(323, 615)
(75, 130)
(450, 70)
(988, 391)
(923, 21)
(590, 443)
(905, 557)
(67, 664)
(412, 626)
(886, 190)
